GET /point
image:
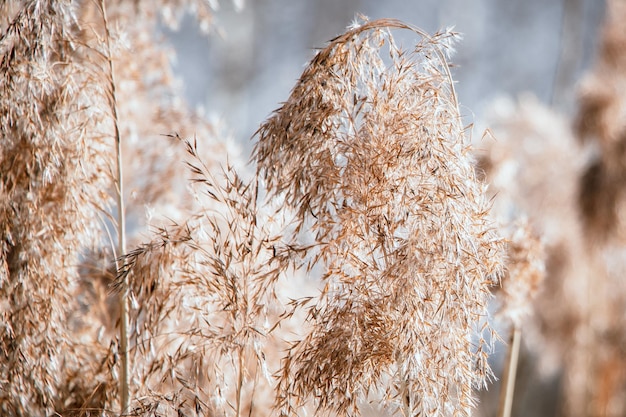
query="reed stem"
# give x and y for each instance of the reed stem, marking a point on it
(508, 378)
(121, 221)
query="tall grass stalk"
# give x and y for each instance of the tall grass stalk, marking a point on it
(510, 372)
(121, 221)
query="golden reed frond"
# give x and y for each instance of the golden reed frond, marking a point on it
(57, 348)
(525, 272)
(205, 304)
(53, 176)
(575, 201)
(370, 152)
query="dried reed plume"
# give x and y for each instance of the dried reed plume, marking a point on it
(53, 186)
(525, 271)
(574, 200)
(56, 164)
(206, 304)
(370, 152)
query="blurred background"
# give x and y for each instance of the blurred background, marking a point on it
(258, 49)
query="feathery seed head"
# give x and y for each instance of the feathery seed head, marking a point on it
(369, 149)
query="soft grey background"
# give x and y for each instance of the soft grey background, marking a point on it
(255, 54)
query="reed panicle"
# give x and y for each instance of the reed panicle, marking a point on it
(573, 199)
(149, 100)
(57, 348)
(524, 275)
(525, 272)
(53, 184)
(205, 304)
(370, 153)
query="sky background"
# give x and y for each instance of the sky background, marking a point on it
(252, 59)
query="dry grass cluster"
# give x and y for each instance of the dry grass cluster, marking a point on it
(348, 274)
(369, 152)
